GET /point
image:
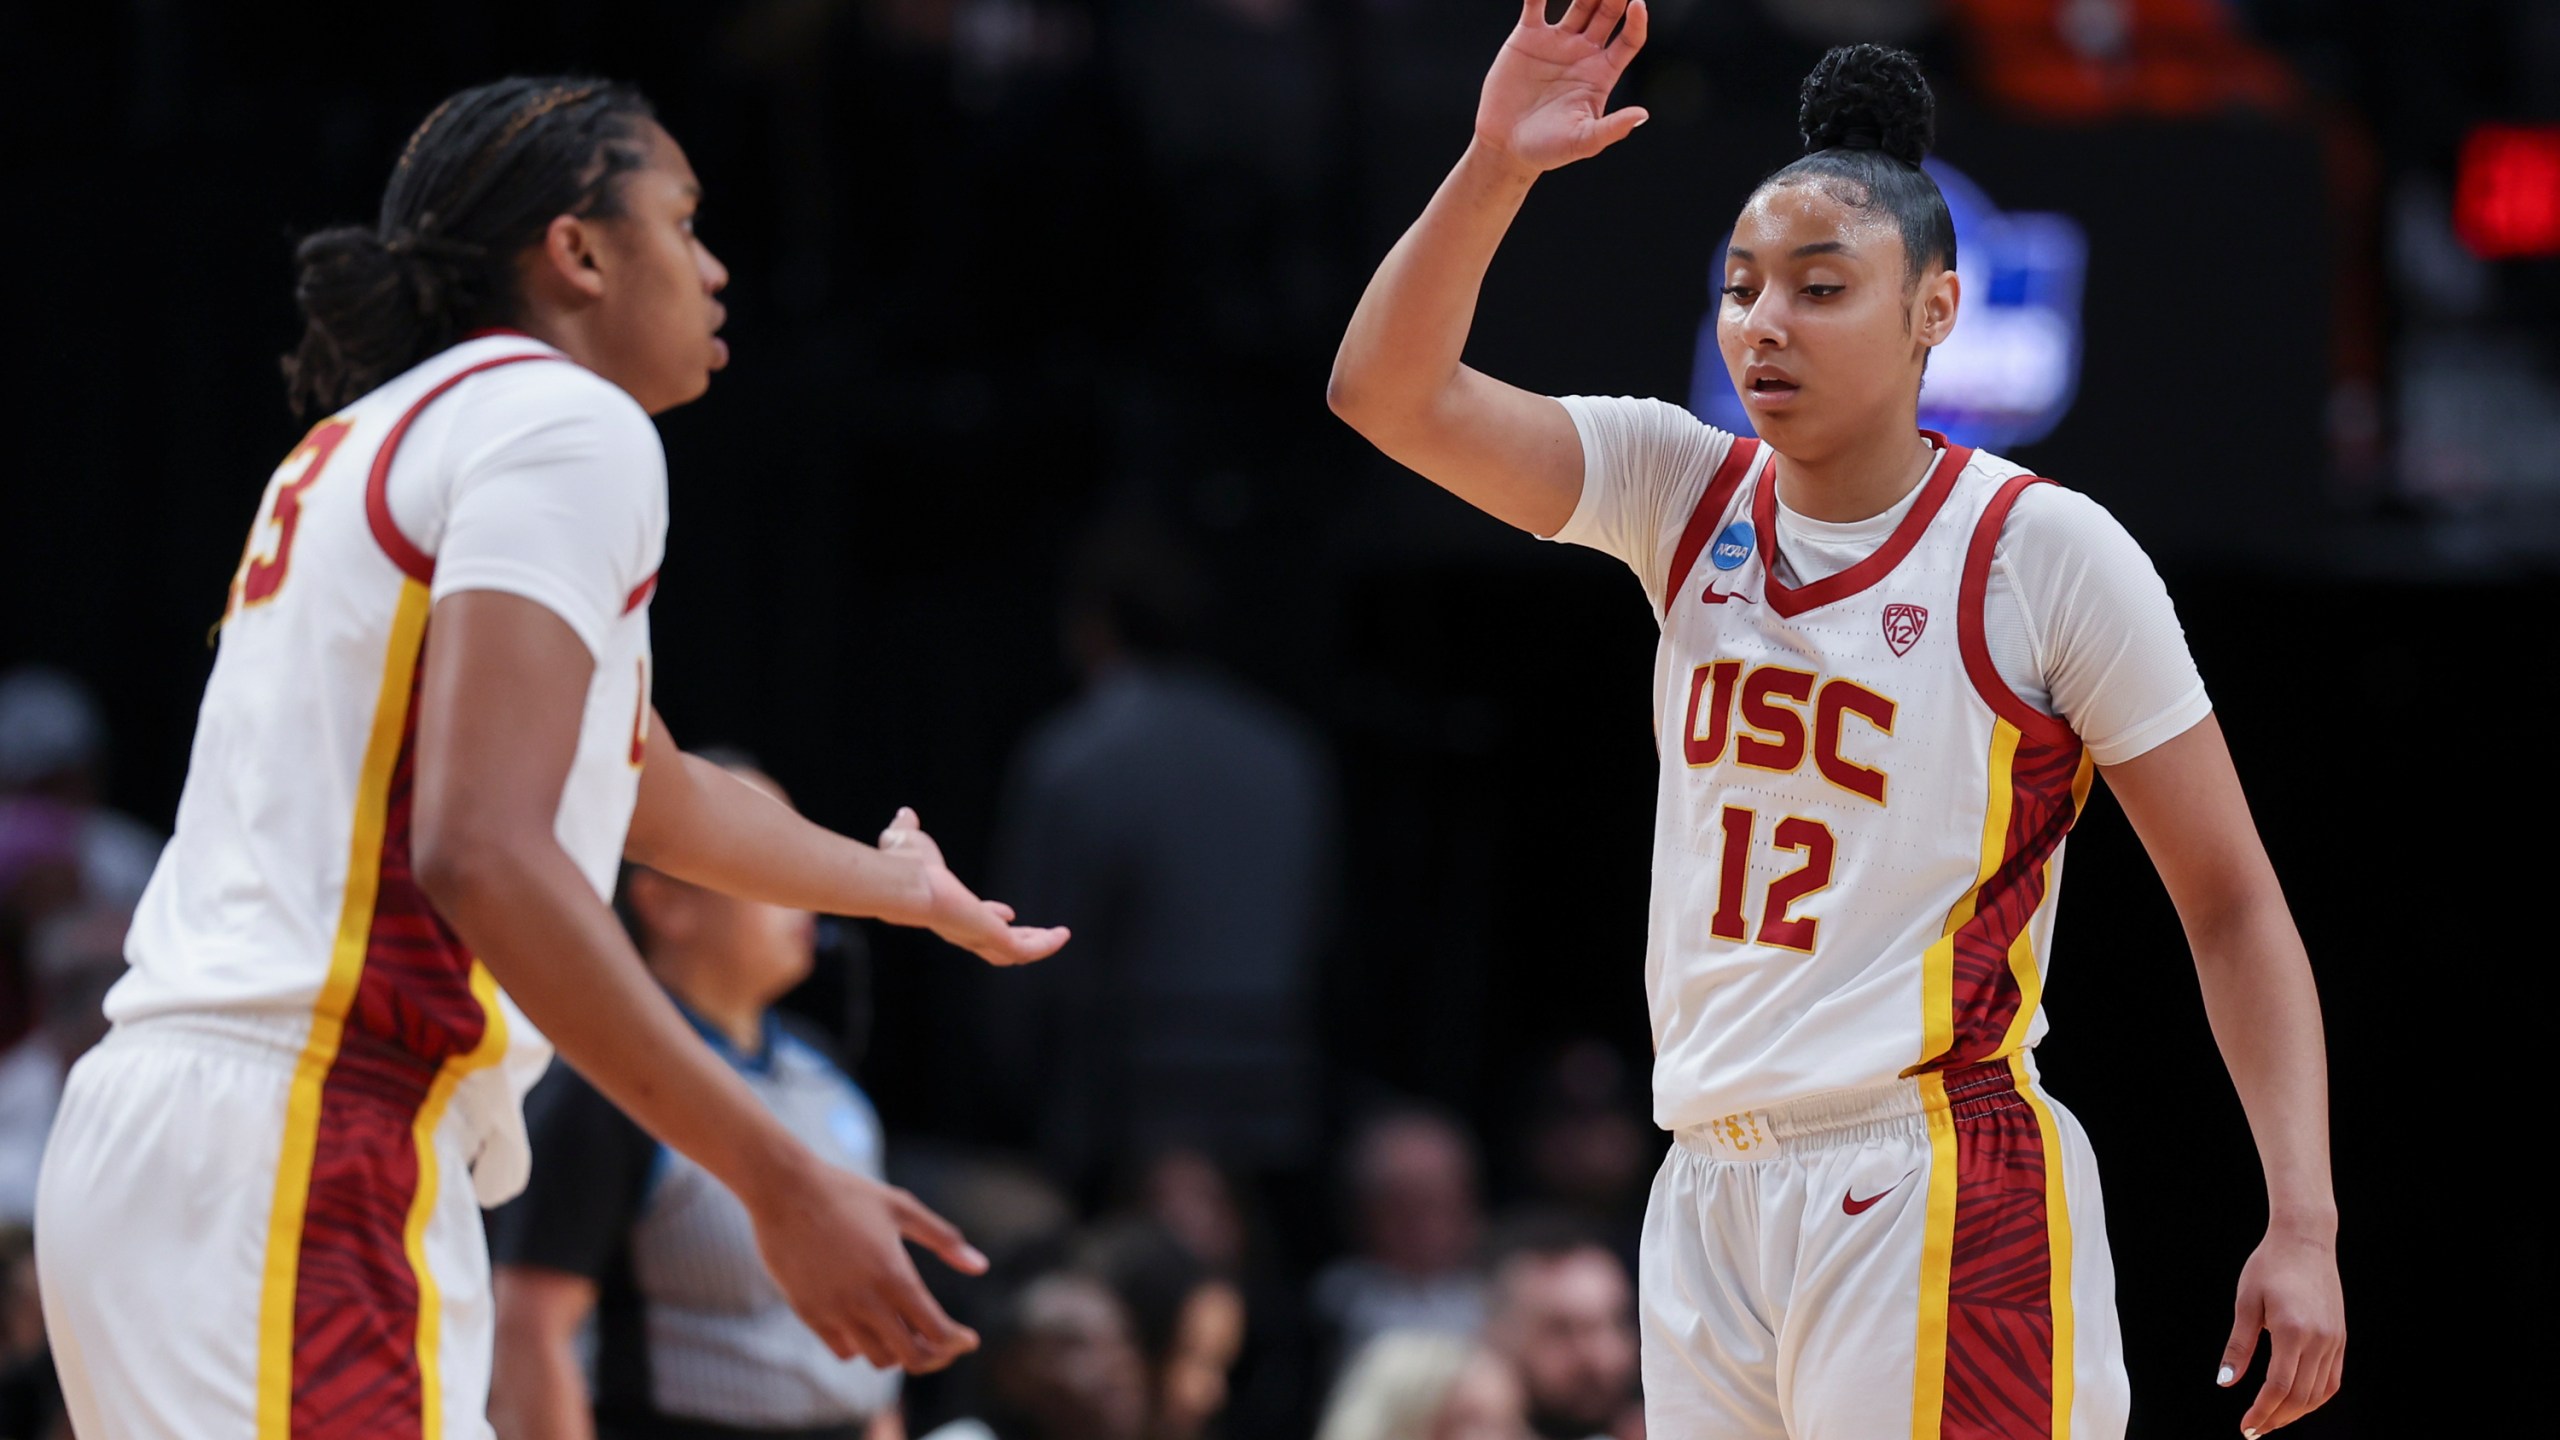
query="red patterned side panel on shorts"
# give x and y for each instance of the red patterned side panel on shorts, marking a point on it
(2000, 1276)
(355, 1303)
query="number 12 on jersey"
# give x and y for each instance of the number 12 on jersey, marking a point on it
(1778, 927)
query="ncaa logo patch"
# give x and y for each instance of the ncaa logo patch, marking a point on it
(1902, 626)
(1732, 547)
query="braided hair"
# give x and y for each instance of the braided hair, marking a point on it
(482, 178)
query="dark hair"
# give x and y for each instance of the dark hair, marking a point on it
(480, 180)
(1869, 120)
(1153, 1276)
(1541, 1234)
(1136, 575)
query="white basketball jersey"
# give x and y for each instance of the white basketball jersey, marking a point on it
(1859, 828)
(287, 888)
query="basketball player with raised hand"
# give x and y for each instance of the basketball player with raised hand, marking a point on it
(1890, 668)
(426, 745)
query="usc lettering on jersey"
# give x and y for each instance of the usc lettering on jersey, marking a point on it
(287, 889)
(1859, 828)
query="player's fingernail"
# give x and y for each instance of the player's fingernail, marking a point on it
(972, 1255)
(2248, 1433)
(2224, 1378)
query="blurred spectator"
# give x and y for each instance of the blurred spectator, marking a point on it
(59, 845)
(1016, 1215)
(30, 1397)
(1201, 1206)
(73, 958)
(1416, 1385)
(1563, 1314)
(2091, 59)
(1417, 1220)
(689, 1330)
(1587, 1147)
(1184, 1191)
(1180, 824)
(53, 759)
(1190, 1323)
(1061, 1362)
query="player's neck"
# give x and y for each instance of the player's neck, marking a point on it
(572, 334)
(1857, 482)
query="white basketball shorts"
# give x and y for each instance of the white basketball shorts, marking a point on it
(217, 1268)
(1926, 1258)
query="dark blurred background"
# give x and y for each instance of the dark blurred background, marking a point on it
(1011, 270)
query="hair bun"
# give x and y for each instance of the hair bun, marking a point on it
(369, 303)
(1868, 97)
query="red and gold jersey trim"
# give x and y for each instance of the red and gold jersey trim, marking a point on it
(1701, 528)
(1980, 982)
(415, 563)
(347, 1319)
(1787, 600)
(1971, 639)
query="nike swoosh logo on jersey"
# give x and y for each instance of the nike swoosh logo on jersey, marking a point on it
(1714, 596)
(1850, 1204)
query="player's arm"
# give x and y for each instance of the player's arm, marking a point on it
(2184, 800)
(1398, 378)
(699, 823)
(538, 1391)
(502, 695)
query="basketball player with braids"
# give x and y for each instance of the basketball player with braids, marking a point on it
(1890, 666)
(426, 745)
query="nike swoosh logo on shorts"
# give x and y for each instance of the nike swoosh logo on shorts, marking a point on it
(1850, 1204)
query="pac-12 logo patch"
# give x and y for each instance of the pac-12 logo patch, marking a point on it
(1902, 626)
(1732, 547)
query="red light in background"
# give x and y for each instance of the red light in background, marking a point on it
(2506, 196)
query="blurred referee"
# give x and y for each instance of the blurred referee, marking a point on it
(691, 1339)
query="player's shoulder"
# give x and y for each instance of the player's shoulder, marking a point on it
(548, 385)
(510, 386)
(1635, 427)
(2050, 516)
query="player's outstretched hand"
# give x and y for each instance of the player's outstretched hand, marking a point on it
(2289, 1289)
(836, 1244)
(1546, 99)
(984, 928)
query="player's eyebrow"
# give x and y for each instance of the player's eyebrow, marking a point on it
(1818, 247)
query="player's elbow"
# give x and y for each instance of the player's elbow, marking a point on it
(1361, 405)
(443, 864)
(1342, 395)
(457, 862)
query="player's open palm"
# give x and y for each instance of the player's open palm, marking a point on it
(1546, 99)
(2290, 1290)
(951, 910)
(835, 1243)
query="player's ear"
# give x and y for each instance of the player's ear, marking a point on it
(567, 256)
(1934, 306)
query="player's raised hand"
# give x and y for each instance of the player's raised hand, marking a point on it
(2290, 1290)
(835, 1243)
(949, 909)
(1546, 100)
